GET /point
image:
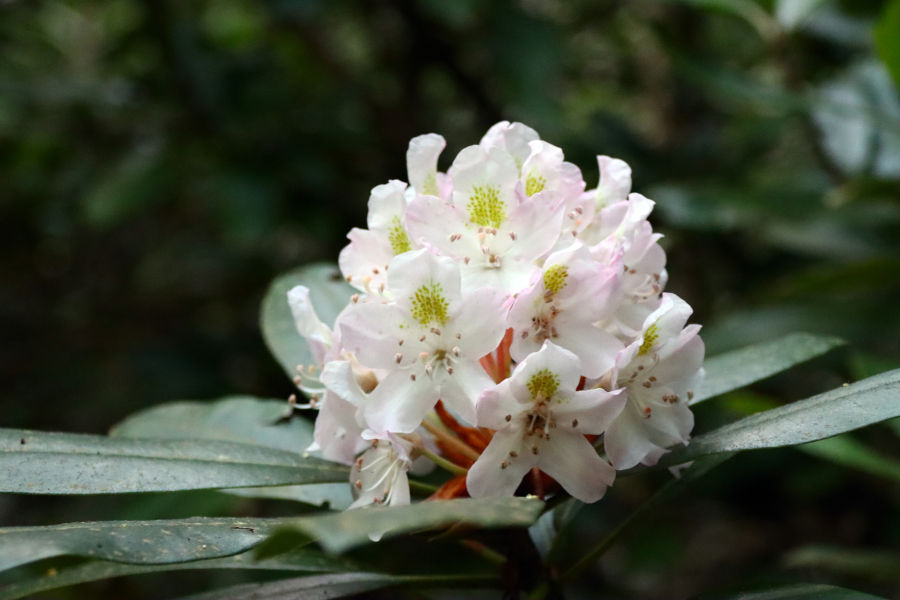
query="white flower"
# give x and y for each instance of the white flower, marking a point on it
(540, 421)
(572, 293)
(379, 476)
(659, 371)
(492, 232)
(429, 341)
(364, 261)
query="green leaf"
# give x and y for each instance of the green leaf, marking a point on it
(846, 450)
(298, 560)
(329, 293)
(35, 462)
(242, 419)
(836, 411)
(877, 565)
(332, 585)
(887, 39)
(320, 587)
(339, 532)
(135, 542)
(800, 591)
(735, 369)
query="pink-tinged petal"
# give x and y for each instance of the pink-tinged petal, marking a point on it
(339, 377)
(372, 330)
(410, 271)
(436, 223)
(563, 364)
(458, 399)
(474, 167)
(398, 404)
(497, 403)
(669, 424)
(337, 433)
(501, 467)
(364, 261)
(625, 440)
(589, 411)
(571, 460)
(480, 322)
(668, 319)
(386, 203)
(536, 227)
(318, 336)
(681, 357)
(421, 162)
(615, 180)
(596, 348)
(512, 137)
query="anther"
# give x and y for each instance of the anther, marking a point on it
(512, 235)
(508, 418)
(398, 358)
(354, 298)
(435, 331)
(574, 422)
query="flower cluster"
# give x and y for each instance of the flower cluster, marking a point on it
(508, 323)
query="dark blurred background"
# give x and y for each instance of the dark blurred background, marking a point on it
(162, 161)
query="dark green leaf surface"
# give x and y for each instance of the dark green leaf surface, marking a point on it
(329, 293)
(342, 531)
(836, 411)
(299, 560)
(35, 462)
(733, 370)
(801, 591)
(136, 542)
(871, 564)
(242, 419)
(847, 451)
(320, 587)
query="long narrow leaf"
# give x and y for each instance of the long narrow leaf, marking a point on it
(135, 542)
(35, 462)
(342, 531)
(735, 369)
(332, 585)
(242, 419)
(306, 560)
(836, 411)
(800, 591)
(847, 451)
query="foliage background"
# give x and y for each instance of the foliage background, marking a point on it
(161, 161)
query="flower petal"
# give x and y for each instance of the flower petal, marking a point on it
(573, 462)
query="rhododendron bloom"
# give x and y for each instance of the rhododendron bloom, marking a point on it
(508, 323)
